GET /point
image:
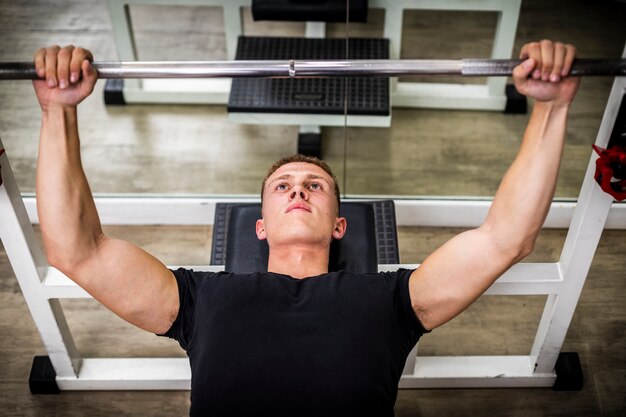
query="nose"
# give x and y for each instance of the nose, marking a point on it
(299, 191)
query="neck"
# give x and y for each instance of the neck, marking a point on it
(298, 261)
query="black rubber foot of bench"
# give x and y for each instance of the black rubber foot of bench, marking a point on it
(42, 379)
(310, 144)
(569, 373)
(516, 103)
(114, 92)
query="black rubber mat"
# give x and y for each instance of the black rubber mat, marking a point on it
(366, 96)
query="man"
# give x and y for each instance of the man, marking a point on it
(296, 340)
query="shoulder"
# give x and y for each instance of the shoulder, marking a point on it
(191, 276)
(390, 280)
(190, 281)
(388, 275)
(187, 274)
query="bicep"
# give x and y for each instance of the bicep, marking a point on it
(132, 283)
(455, 275)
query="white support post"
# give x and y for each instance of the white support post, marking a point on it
(233, 27)
(393, 32)
(122, 26)
(503, 42)
(489, 96)
(29, 265)
(409, 366)
(197, 91)
(315, 30)
(580, 245)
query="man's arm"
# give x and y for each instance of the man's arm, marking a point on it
(457, 273)
(124, 278)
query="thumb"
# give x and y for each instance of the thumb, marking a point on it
(522, 71)
(89, 73)
(89, 78)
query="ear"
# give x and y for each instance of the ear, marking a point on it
(261, 234)
(340, 228)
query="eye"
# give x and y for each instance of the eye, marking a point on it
(315, 186)
(282, 187)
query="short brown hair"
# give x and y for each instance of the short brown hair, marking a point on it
(302, 158)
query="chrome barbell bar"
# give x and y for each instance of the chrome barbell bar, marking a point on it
(319, 68)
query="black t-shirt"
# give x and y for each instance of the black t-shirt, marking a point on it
(272, 345)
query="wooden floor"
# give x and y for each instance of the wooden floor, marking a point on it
(195, 150)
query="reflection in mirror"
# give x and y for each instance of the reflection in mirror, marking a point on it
(439, 147)
(203, 150)
(158, 143)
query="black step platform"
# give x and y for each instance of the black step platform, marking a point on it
(366, 96)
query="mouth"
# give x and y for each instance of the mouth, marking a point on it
(298, 207)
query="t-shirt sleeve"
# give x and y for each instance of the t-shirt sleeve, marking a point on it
(399, 283)
(189, 283)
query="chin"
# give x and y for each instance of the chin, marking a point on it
(299, 235)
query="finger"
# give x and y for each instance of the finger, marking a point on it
(559, 56)
(78, 56)
(523, 54)
(63, 65)
(523, 71)
(547, 59)
(51, 65)
(570, 55)
(40, 62)
(533, 51)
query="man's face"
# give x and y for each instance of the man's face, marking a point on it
(300, 207)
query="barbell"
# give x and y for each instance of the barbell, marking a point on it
(318, 68)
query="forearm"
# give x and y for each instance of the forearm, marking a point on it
(69, 221)
(524, 196)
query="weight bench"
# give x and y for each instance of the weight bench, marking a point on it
(370, 238)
